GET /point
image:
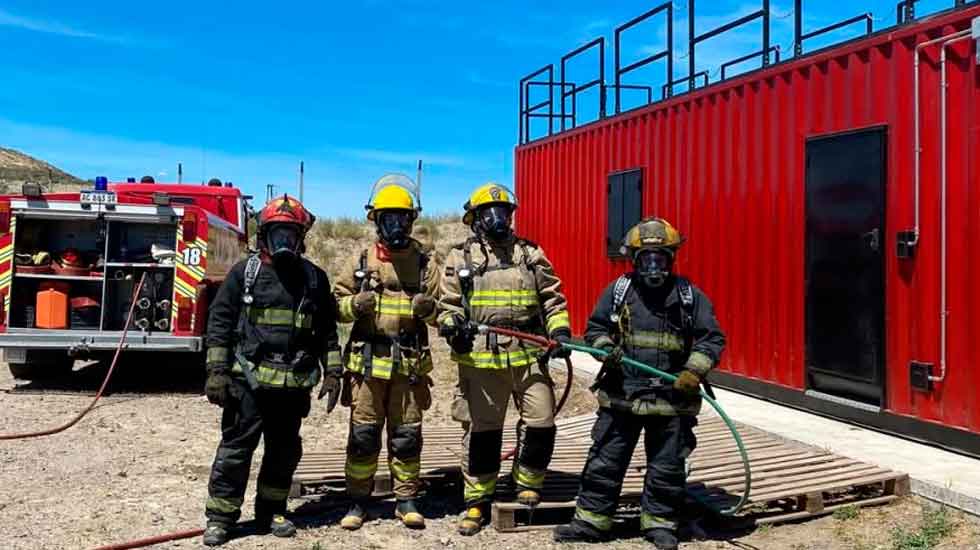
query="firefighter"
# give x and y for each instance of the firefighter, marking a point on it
(388, 291)
(661, 319)
(271, 330)
(496, 278)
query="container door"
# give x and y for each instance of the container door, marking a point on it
(845, 298)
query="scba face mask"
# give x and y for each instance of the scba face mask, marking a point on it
(283, 241)
(653, 266)
(494, 221)
(395, 228)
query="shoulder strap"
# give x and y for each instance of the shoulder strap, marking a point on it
(686, 293)
(312, 281)
(620, 291)
(252, 267)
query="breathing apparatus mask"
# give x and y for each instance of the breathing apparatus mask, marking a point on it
(653, 266)
(283, 242)
(395, 228)
(494, 221)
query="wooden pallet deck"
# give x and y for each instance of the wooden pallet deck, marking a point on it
(790, 481)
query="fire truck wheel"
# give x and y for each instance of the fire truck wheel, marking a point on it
(42, 365)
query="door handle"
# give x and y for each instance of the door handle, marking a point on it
(874, 239)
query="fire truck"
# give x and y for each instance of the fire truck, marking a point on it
(70, 264)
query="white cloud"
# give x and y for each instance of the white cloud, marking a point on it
(48, 26)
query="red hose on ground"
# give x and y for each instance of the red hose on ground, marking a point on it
(112, 367)
(548, 345)
(150, 541)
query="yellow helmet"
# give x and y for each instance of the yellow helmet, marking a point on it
(392, 192)
(651, 234)
(488, 193)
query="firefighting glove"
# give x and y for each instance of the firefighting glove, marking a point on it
(688, 382)
(332, 386)
(217, 386)
(365, 303)
(562, 336)
(423, 305)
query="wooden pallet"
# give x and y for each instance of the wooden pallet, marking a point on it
(790, 481)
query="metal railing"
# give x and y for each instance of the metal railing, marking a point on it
(744, 58)
(694, 40)
(567, 92)
(599, 43)
(667, 53)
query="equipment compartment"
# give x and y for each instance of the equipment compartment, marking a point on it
(153, 305)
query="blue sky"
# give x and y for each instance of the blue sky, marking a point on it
(355, 88)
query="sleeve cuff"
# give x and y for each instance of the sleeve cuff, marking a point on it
(345, 309)
(699, 364)
(603, 342)
(559, 321)
(218, 355)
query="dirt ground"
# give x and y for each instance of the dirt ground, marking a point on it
(138, 465)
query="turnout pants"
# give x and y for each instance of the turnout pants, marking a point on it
(481, 406)
(669, 440)
(248, 415)
(397, 404)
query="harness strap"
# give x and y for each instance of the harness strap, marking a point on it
(620, 291)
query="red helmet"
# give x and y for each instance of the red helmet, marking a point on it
(286, 209)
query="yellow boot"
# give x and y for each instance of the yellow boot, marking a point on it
(529, 497)
(409, 514)
(472, 521)
(355, 517)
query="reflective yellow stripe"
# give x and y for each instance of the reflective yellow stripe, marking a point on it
(394, 305)
(346, 309)
(527, 478)
(504, 293)
(265, 492)
(557, 321)
(273, 377)
(650, 521)
(477, 490)
(279, 317)
(217, 355)
(599, 521)
(223, 505)
(381, 367)
(332, 359)
(490, 360)
(655, 340)
(406, 470)
(700, 363)
(504, 298)
(361, 470)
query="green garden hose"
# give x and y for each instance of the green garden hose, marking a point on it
(595, 352)
(714, 404)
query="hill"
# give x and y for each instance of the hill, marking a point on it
(16, 168)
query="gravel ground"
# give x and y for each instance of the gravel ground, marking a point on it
(138, 465)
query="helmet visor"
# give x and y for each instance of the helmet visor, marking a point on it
(283, 237)
(395, 226)
(653, 265)
(495, 219)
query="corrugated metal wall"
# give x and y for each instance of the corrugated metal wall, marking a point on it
(726, 164)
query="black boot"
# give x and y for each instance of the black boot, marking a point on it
(277, 526)
(215, 534)
(663, 539)
(579, 531)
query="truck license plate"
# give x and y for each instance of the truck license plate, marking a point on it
(98, 197)
(15, 355)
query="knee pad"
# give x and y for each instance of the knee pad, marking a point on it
(484, 452)
(536, 446)
(406, 441)
(364, 440)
